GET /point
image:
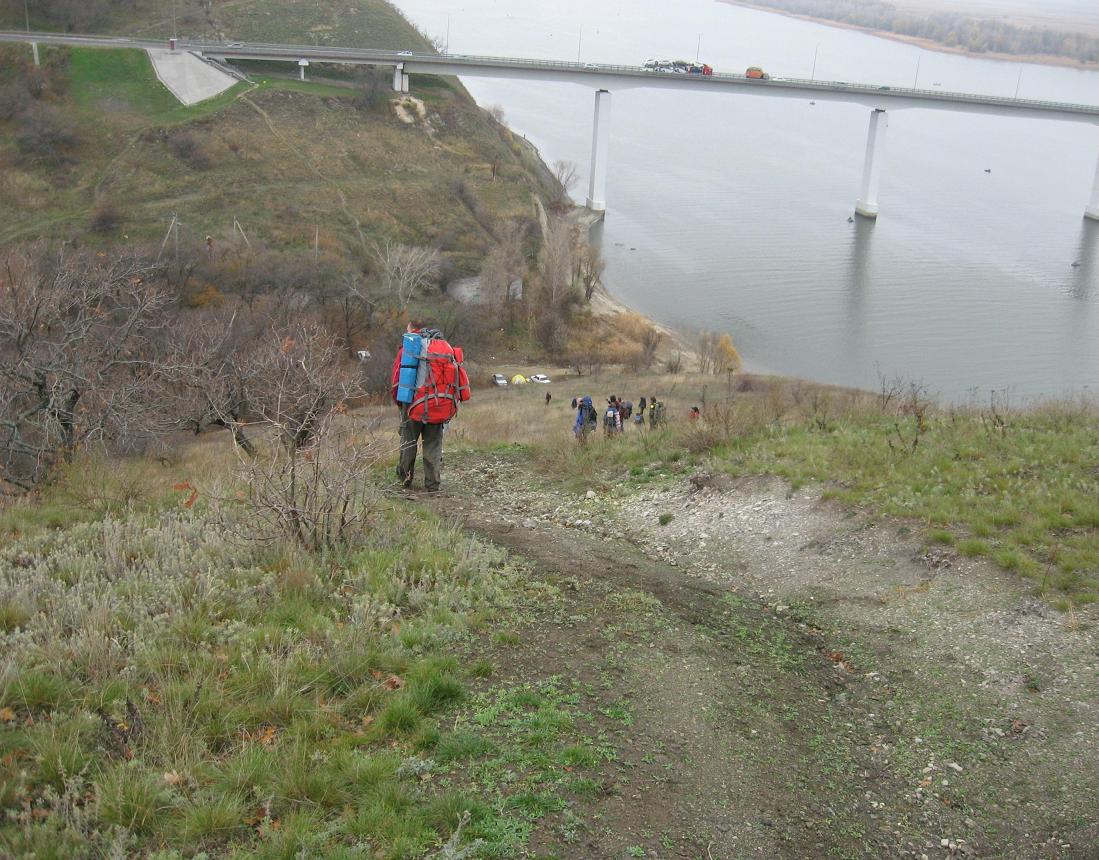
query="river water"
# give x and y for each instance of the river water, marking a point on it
(730, 212)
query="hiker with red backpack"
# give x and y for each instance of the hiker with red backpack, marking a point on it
(428, 384)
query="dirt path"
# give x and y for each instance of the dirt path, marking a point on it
(802, 682)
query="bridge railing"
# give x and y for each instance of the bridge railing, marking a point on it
(637, 71)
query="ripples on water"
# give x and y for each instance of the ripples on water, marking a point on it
(732, 212)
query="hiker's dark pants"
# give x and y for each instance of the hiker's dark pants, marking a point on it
(411, 433)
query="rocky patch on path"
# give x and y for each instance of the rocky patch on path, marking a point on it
(968, 686)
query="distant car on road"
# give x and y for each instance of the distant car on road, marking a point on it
(404, 53)
(235, 45)
(540, 377)
(499, 379)
(755, 73)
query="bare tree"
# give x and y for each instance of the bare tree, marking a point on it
(589, 269)
(405, 269)
(565, 175)
(558, 250)
(356, 308)
(502, 266)
(649, 340)
(79, 339)
(294, 379)
(204, 381)
(707, 342)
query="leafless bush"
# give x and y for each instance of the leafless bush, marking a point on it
(105, 219)
(374, 85)
(184, 147)
(13, 99)
(320, 495)
(994, 419)
(889, 391)
(78, 344)
(814, 402)
(45, 135)
(310, 481)
(747, 383)
(674, 363)
(915, 405)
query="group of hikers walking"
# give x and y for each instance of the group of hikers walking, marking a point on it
(616, 416)
(429, 382)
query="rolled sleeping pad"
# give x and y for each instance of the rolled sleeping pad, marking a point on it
(410, 365)
(422, 367)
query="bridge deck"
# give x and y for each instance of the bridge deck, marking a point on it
(603, 75)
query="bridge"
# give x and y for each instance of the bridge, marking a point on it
(606, 78)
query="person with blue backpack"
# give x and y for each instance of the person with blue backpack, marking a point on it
(428, 383)
(586, 419)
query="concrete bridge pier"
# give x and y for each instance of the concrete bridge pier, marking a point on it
(867, 205)
(600, 141)
(400, 79)
(1092, 211)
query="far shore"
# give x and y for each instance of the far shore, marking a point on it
(928, 44)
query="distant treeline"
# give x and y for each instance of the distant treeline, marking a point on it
(955, 31)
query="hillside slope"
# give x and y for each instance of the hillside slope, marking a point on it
(327, 162)
(367, 23)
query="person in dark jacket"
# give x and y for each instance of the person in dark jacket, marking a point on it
(612, 416)
(586, 419)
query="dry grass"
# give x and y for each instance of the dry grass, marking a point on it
(284, 158)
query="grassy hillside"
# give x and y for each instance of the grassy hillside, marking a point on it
(284, 158)
(174, 680)
(366, 23)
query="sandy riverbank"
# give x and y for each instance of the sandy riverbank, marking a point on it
(927, 44)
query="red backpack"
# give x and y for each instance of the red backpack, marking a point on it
(445, 385)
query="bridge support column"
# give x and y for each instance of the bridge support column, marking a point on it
(867, 205)
(1092, 211)
(34, 50)
(400, 79)
(600, 141)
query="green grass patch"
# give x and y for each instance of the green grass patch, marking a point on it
(99, 77)
(246, 717)
(1025, 497)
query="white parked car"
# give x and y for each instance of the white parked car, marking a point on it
(539, 377)
(499, 379)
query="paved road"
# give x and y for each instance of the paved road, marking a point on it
(607, 76)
